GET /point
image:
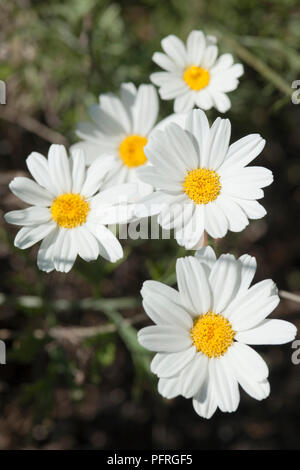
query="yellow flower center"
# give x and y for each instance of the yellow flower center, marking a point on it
(202, 185)
(196, 77)
(212, 334)
(132, 150)
(70, 210)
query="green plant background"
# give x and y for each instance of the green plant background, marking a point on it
(75, 375)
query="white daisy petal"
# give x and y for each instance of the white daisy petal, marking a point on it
(168, 365)
(193, 285)
(182, 145)
(237, 219)
(253, 209)
(106, 124)
(257, 390)
(148, 173)
(176, 214)
(255, 175)
(77, 169)
(223, 63)
(185, 102)
(197, 125)
(114, 107)
(30, 192)
(224, 384)
(91, 150)
(28, 236)
(150, 176)
(248, 359)
(90, 132)
(152, 204)
(193, 375)
(59, 168)
(106, 197)
(251, 308)
(179, 217)
(45, 253)
(151, 288)
(221, 101)
(223, 279)
(164, 78)
(170, 163)
(242, 152)
(119, 174)
(248, 269)
(96, 174)
(128, 93)
(30, 216)
(218, 142)
(236, 71)
(233, 186)
(145, 110)
(171, 85)
(204, 402)
(195, 47)
(142, 190)
(118, 214)
(226, 80)
(206, 256)
(244, 375)
(164, 62)
(191, 232)
(179, 119)
(209, 56)
(109, 246)
(164, 338)
(199, 243)
(38, 166)
(167, 313)
(169, 388)
(221, 85)
(269, 332)
(215, 221)
(64, 251)
(87, 245)
(204, 99)
(175, 48)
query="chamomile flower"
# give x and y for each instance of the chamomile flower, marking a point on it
(202, 182)
(66, 213)
(203, 331)
(194, 74)
(120, 126)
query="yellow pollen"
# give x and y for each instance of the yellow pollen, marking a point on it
(132, 150)
(70, 210)
(196, 77)
(212, 334)
(202, 185)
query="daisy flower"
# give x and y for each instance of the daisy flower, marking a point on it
(66, 213)
(194, 74)
(202, 182)
(120, 126)
(203, 331)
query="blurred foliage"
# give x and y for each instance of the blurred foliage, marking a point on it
(56, 57)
